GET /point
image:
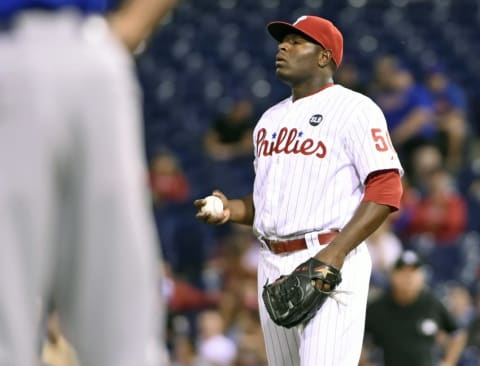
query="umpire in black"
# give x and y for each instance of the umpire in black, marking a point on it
(405, 321)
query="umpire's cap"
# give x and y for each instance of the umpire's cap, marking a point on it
(408, 259)
(318, 29)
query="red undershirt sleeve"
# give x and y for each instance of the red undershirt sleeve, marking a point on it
(384, 187)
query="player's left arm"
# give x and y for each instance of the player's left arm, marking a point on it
(368, 144)
(382, 196)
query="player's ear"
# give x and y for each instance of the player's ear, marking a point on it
(324, 57)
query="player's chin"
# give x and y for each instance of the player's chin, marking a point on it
(282, 74)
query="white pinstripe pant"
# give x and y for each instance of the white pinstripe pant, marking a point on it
(334, 336)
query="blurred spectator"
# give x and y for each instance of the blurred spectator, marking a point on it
(401, 219)
(184, 353)
(230, 282)
(426, 158)
(441, 212)
(242, 251)
(231, 134)
(474, 108)
(450, 107)
(348, 76)
(473, 344)
(167, 180)
(184, 242)
(460, 304)
(405, 320)
(250, 341)
(237, 259)
(182, 296)
(406, 105)
(186, 245)
(384, 247)
(57, 351)
(228, 145)
(473, 193)
(437, 225)
(214, 347)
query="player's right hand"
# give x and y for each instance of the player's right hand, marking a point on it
(208, 218)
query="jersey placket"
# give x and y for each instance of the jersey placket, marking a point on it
(279, 167)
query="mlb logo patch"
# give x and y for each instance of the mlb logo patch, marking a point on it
(315, 119)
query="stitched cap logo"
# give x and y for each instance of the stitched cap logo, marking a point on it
(303, 17)
(315, 119)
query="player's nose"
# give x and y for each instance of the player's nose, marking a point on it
(282, 46)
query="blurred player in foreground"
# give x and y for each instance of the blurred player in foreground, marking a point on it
(74, 212)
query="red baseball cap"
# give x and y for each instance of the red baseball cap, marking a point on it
(318, 29)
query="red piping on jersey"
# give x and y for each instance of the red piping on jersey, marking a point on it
(317, 91)
(384, 187)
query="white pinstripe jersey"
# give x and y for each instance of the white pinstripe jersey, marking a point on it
(312, 157)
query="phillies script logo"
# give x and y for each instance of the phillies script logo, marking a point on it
(288, 142)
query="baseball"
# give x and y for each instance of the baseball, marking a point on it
(213, 206)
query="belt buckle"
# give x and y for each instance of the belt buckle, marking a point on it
(265, 242)
(269, 244)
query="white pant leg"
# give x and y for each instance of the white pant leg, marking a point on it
(110, 304)
(282, 344)
(77, 113)
(334, 336)
(18, 334)
(28, 116)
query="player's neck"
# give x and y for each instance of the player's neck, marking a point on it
(302, 91)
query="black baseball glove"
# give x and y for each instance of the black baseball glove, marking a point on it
(294, 299)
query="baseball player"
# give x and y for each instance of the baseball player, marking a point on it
(74, 213)
(326, 177)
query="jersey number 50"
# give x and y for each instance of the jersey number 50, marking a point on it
(382, 139)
